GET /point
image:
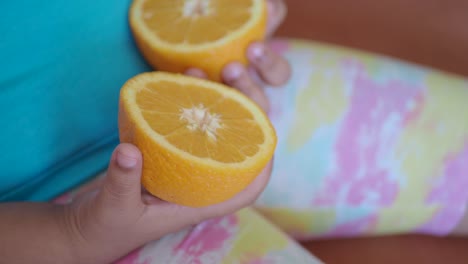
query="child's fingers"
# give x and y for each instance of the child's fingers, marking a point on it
(172, 217)
(243, 199)
(122, 187)
(272, 68)
(236, 75)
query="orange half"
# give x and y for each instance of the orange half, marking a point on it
(202, 142)
(174, 35)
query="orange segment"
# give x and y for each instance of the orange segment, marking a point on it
(202, 142)
(195, 21)
(181, 104)
(174, 35)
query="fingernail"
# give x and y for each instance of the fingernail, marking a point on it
(196, 73)
(257, 51)
(126, 160)
(233, 71)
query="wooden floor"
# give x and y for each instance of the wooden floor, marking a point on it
(430, 32)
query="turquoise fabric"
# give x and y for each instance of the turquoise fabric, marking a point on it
(62, 64)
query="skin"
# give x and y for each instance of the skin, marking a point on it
(105, 223)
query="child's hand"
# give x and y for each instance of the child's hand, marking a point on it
(105, 225)
(272, 68)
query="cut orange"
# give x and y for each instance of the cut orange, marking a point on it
(174, 35)
(201, 141)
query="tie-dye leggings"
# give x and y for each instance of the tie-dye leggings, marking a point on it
(367, 145)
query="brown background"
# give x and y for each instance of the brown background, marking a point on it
(429, 32)
(432, 32)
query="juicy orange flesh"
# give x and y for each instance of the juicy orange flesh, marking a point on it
(238, 137)
(207, 21)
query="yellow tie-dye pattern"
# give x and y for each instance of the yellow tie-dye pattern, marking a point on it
(248, 247)
(322, 102)
(424, 145)
(299, 222)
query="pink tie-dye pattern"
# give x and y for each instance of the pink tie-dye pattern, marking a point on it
(358, 179)
(208, 236)
(450, 194)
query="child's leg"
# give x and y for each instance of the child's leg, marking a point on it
(244, 237)
(367, 145)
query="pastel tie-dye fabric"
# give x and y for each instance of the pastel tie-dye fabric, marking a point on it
(367, 145)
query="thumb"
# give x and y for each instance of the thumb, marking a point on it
(122, 185)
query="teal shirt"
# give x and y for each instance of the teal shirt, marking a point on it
(62, 64)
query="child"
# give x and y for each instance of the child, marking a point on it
(366, 146)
